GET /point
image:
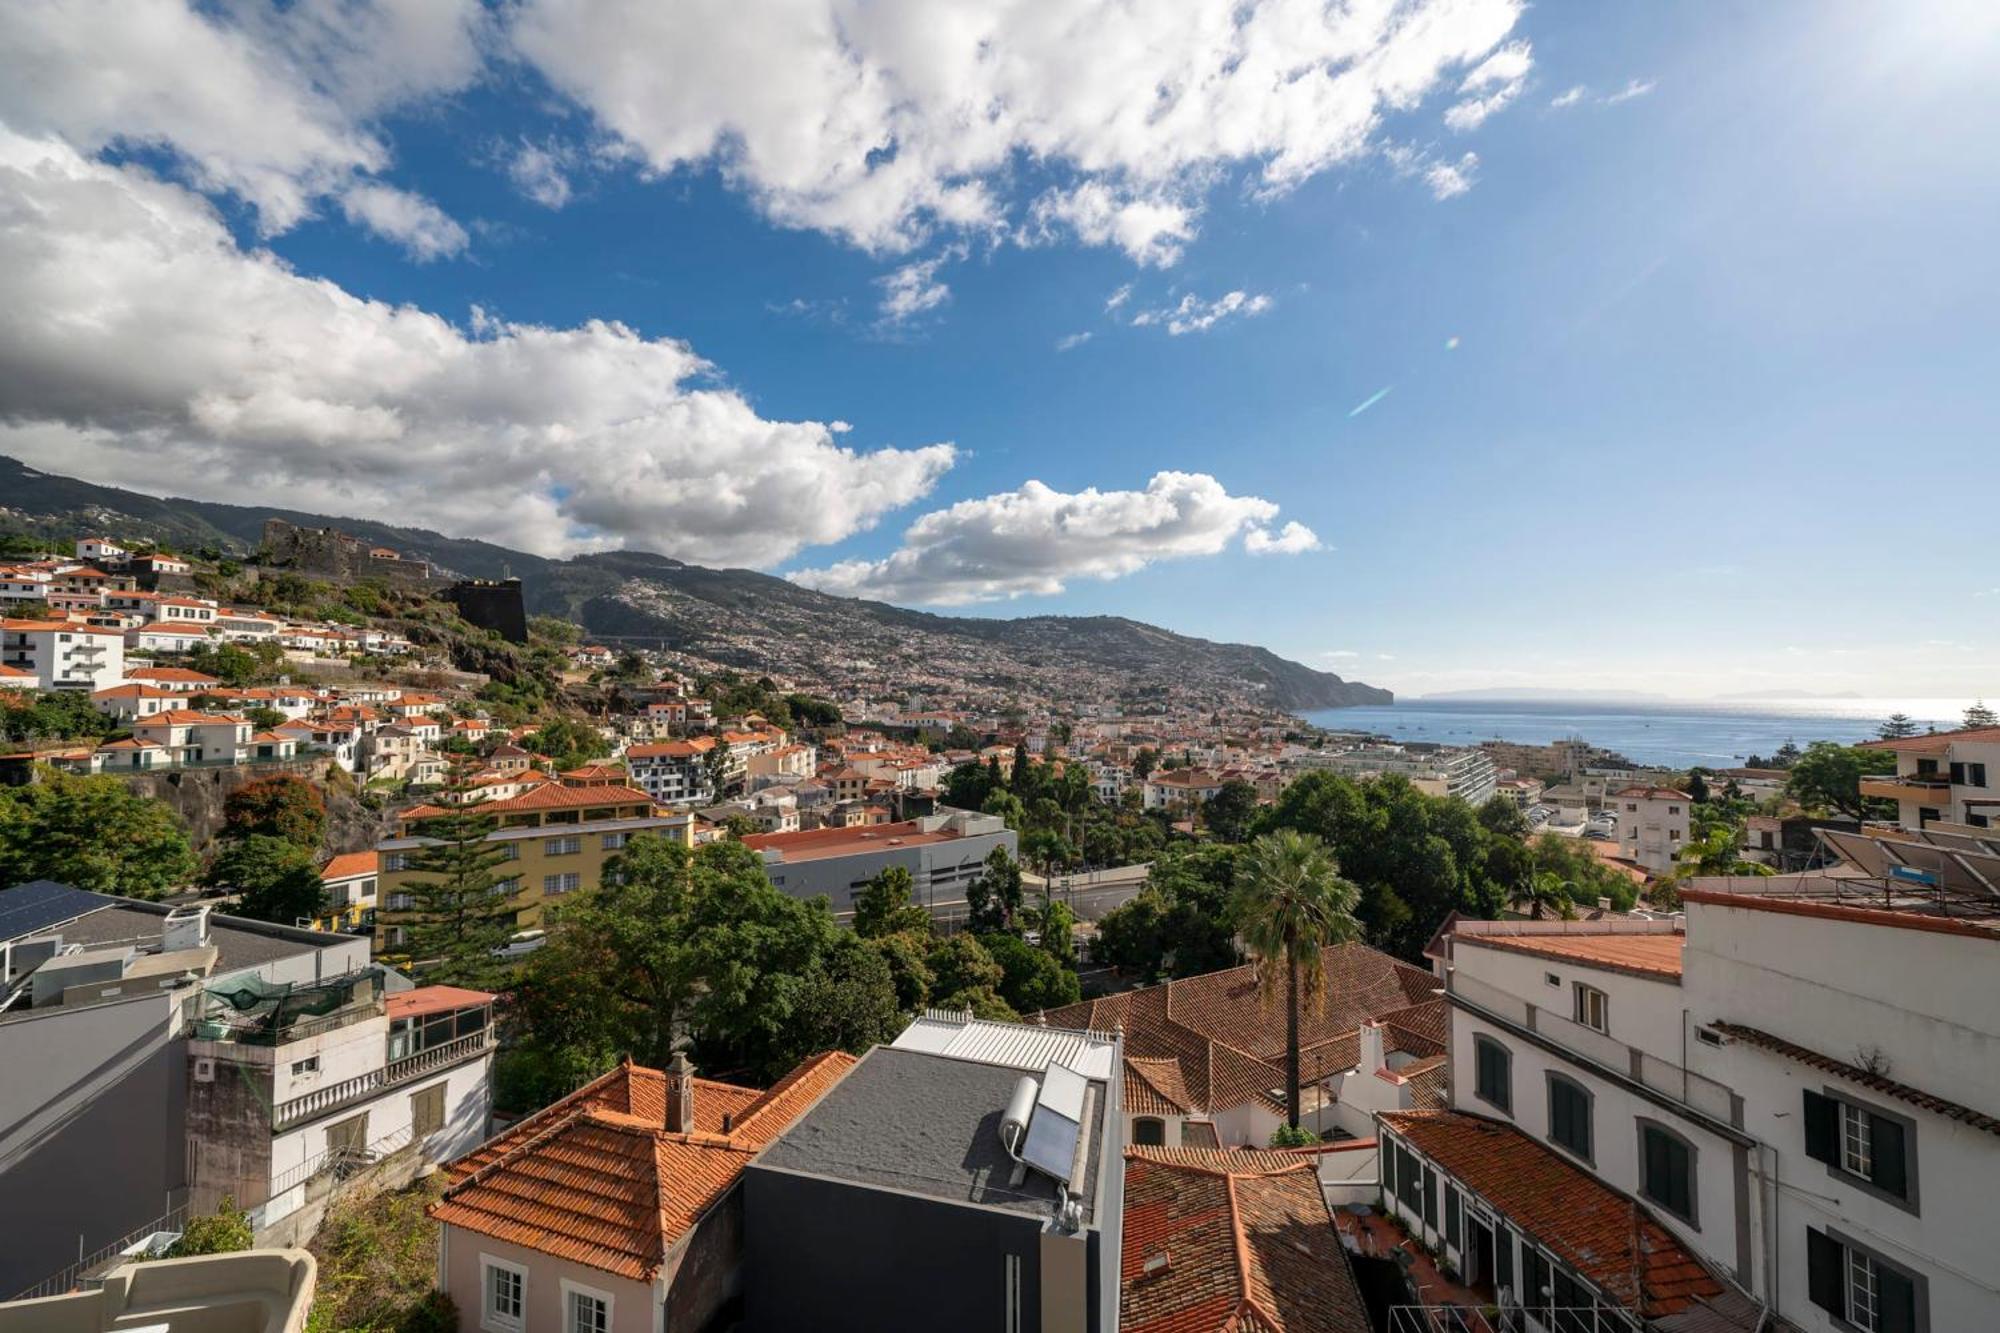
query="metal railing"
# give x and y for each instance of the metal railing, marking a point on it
(362, 1087)
(174, 1219)
(340, 1162)
(1448, 1318)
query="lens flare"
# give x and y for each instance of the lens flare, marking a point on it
(1451, 343)
(1370, 401)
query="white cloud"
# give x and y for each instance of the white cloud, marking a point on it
(1069, 342)
(1635, 88)
(915, 288)
(541, 171)
(1194, 315)
(881, 122)
(1579, 93)
(1448, 180)
(1118, 298)
(1569, 96)
(1033, 541)
(139, 343)
(1334, 654)
(411, 220)
(1494, 83)
(274, 105)
(1294, 539)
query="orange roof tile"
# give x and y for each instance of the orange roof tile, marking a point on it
(348, 864)
(1598, 1232)
(1935, 742)
(1231, 1240)
(434, 1000)
(181, 674)
(1648, 955)
(598, 1179)
(548, 796)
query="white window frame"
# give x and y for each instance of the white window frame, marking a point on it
(572, 1290)
(1862, 1289)
(1857, 1147)
(491, 1319)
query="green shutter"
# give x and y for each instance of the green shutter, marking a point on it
(1825, 1284)
(1895, 1301)
(1822, 1120)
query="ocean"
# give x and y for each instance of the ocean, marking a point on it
(1712, 733)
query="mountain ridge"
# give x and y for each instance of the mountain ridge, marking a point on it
(740, 617)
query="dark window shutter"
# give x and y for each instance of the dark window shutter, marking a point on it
(1388, 1169)
(1889, 1168)
(1534, 1276)
(1430, 1188)
(1895, 1301)
(1822, 1127)
(1451, 1216)
(1824, 1283)
(1503, 1257)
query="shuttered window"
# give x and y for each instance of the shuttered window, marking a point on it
(1666, 1170)
(1862, 1143)
(1493, 1073)
(1862, 1288)
(1569, 1115)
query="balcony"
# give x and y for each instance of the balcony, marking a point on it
(367, 1087)
(1920, 788)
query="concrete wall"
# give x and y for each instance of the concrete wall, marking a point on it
(834, 1257)
(460, 1270)
(939, 869)
(90, 1131)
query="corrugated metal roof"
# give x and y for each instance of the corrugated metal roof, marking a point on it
(1023, 1046)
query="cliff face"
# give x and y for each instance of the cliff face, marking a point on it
(198, 795)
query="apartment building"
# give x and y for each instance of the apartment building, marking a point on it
(64, 656)
(1652, 825)
(1778, 1110)
(1438, 770)
(96, 997)
(944, 854)
(1950, 777)
(673, 772)
(289, 1085)
(557, 840)
(1182, 790)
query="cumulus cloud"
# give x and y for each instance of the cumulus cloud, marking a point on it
(1635, 88)
(1569, 96)
(1194, 315)
(139, 341)
(1117, 298)
(1294, 539)
(1033, 541)
(915, 288)
(880, 122)
(1580, 93)
(411, 220)
(273, 104)
(1448, 180)
(541, 171)
(1069, 342)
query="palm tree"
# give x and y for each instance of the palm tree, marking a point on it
(1717, 852)
(1292, 904)
(1550, 892)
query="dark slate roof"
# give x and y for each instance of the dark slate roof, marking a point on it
(929, 1124)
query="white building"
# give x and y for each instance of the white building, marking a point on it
(1948, 777)
(673, 772)
(1652, 825)
(1179, 789)
(101, 548)
(64, 656)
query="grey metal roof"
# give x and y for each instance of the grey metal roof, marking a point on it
(928, 1124)
(1027, 1047)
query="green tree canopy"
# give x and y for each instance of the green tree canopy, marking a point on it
(909, 972)
(462, 903)
(1899, 726)
(278, 879)
(92, 833)
(994, 899)
(1979, 715)
(1030, 978)
(1230, 811)
(883, 906)
(1182, 922)
(1828, 777)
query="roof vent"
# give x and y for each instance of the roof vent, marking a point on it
(1157, 1264)
(185, 928)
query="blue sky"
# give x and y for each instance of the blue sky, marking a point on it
(1688, 343)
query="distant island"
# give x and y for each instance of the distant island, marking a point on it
(1542, 694)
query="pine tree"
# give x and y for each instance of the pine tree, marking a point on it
(1979, 715)
(462, 911)
(1898, 727)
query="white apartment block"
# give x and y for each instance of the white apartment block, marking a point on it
(64, 656)
(673, 772)
(1951, 777)
(1652, 825)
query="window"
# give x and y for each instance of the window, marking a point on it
(510, 851)
(1409, 1177)
(1453, 1210)
(1861, 1289)
(309, 1065)
(1149, 1131)
(1592, 1007)
(565, 883)
(395, 861)
(561, 846)
(585, 1309)
(1493, 1073)
(427, 1111)
(1873, 1148)
(1552, 978)
(1673, 809)
(1666, 1169)
(504, 1295)
(1569, 1115)
(615, 841)
(401, 902)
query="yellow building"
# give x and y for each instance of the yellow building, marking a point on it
(557, 838)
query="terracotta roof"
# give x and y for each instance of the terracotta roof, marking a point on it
(1229, 1042)
(348, 864)
(1598, 1232)
(817, 844)
(434, 1000)
(548, 796)
(1979, 928)
(1231, 1240)
(671, 749)
(179, 717)
(1154, 1087)
(1653, 793)
(181, 674)
(1656, 956)
(597, 1178)
(1935, 742)
(1889, 1087)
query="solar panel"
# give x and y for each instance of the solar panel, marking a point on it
(28, 909)
(1054, 1128)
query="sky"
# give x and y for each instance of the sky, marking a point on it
(1444, 344)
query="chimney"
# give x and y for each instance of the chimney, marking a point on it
(1371, 1047)
(680, 1094)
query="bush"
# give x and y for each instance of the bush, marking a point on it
(435, 1312)
(1285, 1136)
(225, 1231)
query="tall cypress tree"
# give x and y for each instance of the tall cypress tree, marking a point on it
(463, 911)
